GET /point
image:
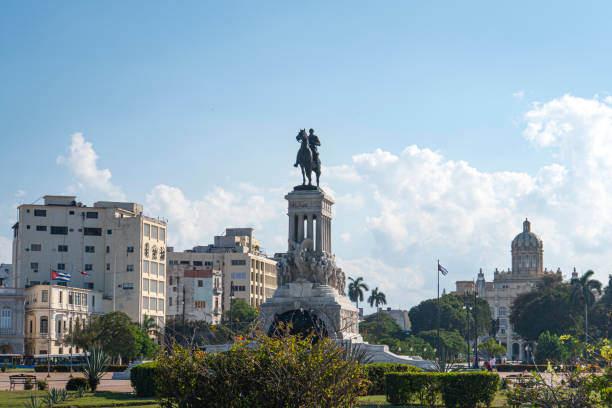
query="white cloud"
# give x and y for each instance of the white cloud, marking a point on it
(195, 222)
(82, 162)
(519, 94)
(5, 250)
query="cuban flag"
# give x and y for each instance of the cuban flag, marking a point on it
(60, 276)
(84, 273)
(442, 270)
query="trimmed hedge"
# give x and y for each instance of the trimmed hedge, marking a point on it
(65, 368)
(506, 368)
(375, 374)
(457, 390)
(75, 383)
(144, 377)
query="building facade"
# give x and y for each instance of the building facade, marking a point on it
(527, 271)
(243, 266)
(11, 320)
(110, 248)
(51, 312)
(6, 275)
(194, 293)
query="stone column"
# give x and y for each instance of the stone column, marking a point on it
(329, 235)
(318, 246)
(521, 351)
(292, 228)
(309, 226)
(300, 231)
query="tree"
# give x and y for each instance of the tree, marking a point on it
(424, 316)
(451, 343)
(546, 308)
(550, 348)
(355, 290)
(583, 289)
(491, 348)
(241, 316)
(377, 298)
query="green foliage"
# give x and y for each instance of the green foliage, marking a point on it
(550, 349)
(377, 298)
(385, 330)
(547, 308)
(144, 377)
(75, 383)
(42, 385)
(491, 348)
(375, 374)
(242, 313)
(462, 390)
(95, 364)
(356, 287)
(453, 316)
(28, 385)
(451, 343)
(284, 371)
(55, 396)
(34, 402)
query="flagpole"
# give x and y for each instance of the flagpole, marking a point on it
(49, 322)
(438, 273)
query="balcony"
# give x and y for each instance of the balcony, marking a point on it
(8, 332)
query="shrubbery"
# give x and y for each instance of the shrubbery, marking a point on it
(144, 378)
(375, 374)
(65, 368)
(457, 390)
(75, 383)
(287, 371)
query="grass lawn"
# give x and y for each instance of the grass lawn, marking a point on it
(372, 401)
(12, 399)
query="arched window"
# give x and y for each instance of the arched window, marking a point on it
(5, 320)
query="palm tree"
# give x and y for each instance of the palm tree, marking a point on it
(377, 298)
(583, 289)
(355, 290)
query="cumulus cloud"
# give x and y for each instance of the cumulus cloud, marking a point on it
(82, 161)
(195, 222)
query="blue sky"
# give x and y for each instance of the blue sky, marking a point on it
(202, 100)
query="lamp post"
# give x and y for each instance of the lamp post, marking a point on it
(475, 332)
(467, 333)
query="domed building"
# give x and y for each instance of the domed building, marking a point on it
(527, 270)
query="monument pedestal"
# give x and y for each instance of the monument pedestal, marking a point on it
(339, 318)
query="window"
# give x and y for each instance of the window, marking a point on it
(145, 302)
(107, 249)
(92, 231)
(55, 230)
(92, 214)
(145, 285)
(153, 286)
(154, 232)
(239, 288)
(238, 275)
(84, 298)
(145, 266)
(170, 280)
(5, 321)
(130, 268)
(128, 286)
(34, 266)
(160, 288)
(152, 303)
(61, 266)
(130, 250)
(70, 298)
(93, 300)
(162, 269)
(238, 262)
(162, 234)
(501, 312)
(108, 267)
(154, 267)
(77, 299)
(40, 213)
(184, 262)
(31, 324)
(71, 212)
(200, 283)
(160, 305)
(177, 280)
(44, 325)
(41, 228)
(90, 249)
(63, 248)
(172, 262)
(170, 301)
(208, 264)
(147, 229)
(197, 263)
(89, 267)
(109, 232)
(35, 247)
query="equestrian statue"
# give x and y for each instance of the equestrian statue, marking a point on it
(308, 156)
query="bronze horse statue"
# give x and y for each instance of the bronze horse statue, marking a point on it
(305, 159)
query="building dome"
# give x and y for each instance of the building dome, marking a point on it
(526, 239)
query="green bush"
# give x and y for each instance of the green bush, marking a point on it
(457, 390)
(408, 388)
(28, 384)
(466, 390)
(75, 383)
(144, 378)
(375, 374)
(42, 385)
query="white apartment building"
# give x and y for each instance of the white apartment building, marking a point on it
(110, 247)
(194, 293)
(51, 311)
(243, 265)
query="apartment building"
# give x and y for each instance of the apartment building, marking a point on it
(51, 311)
(243, 265)
(110, 248)
(194, 293)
